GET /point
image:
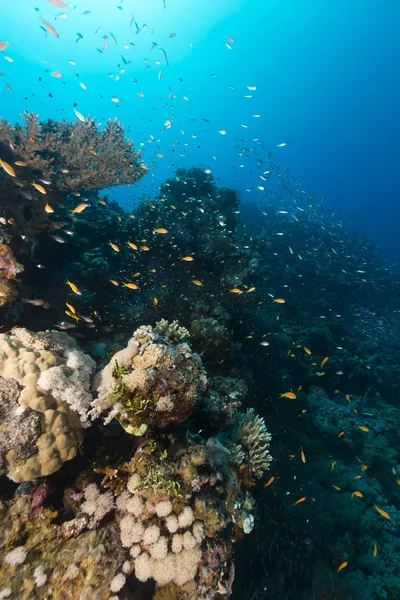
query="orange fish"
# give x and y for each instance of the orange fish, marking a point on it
(188, 258)
(50, 28)
(279, 300)
(299, 501)
(114, 246)
(161, 230)
(56, 74)
(131, 286)
(48, 208)
(271, 480)
(290, 395)
(39, 188)
(20, 163)
(73, 287)
(337, 488)
(375, 550)
(132, 245)
(155, 301)
(324, 361)
(363, 468)
(71, 308)
(114, 282)
(341, 434)
(144, 248)
(382, 512)
(307, 350)
(348, 398)
(3, 45)
(197, 282)
(78, 209)
(236, 291)
(333, 465)
(8, 168)
(363, 428)
(303, 456)
(358, 494)
(252, 289)
(342, 566)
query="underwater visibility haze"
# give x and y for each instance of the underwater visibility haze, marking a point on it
(199, 300)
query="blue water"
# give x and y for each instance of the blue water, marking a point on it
(325, 74)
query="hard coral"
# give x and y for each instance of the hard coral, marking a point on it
(53, 427)
(251, 443)
(152, 383)
(74, 155)
(9, 268)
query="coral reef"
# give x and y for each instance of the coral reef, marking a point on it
(73, 156)
(9, 269)
(154, 382)
(45, 400)
(251, 442)
(171, 513)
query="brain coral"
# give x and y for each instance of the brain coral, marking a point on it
(42, 431)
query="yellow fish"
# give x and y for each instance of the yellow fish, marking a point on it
(114, 246)
(271, 480)
(363, 428)
(73, 287)
(279, 300)
(342, 566)
(197, 282)
(382, 512)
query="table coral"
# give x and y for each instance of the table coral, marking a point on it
(74, 155)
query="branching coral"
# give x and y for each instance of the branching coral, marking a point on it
(251, 443)
(74, 155)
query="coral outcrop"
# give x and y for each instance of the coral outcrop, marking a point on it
(152, 383)
(44, 401)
